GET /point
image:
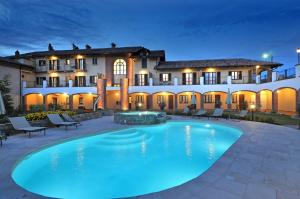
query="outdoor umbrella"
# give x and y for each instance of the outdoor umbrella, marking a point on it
(193, 100)
(229, 101)
(2, 107)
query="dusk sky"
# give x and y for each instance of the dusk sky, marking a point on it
(189, 29)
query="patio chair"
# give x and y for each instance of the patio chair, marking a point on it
(218, 112)
(68, 118)
(200, 113)
(242, 114)
(21, 124)
(56, 120)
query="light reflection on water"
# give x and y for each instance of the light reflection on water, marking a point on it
(188, 148)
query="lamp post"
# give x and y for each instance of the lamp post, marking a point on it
(298, 53)
(252, 107)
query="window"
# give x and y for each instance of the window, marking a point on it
(141, 79)
(235, 75)
(165, 77)
(120, 67)
(54, 64)
(54, 100)
(183, 99)
(53, 81)
(188, 78)
(39, 80)
(210, 78)
(234, 98)
(139, 99)
(144, 62)
(93, 80)
(95, 61)
(80, 81)
(42, 62)
(80, 101)
(161, 98)
(80, 64)
(68, 62)
(208, 99)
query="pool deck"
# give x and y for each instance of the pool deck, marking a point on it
(263, 164)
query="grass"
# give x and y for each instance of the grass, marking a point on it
(277, 118)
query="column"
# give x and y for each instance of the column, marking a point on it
(257, 100)
(274, 101)
(124, 98)
(298, 101)
(71, 102)
(175, 81)
(274, 76)
(202, 101)
(229, 79)
(176, 103)
(258, 79)
(149, 102)
(101, 91)
(45, 101)
(298, 71)
(24, 103)
(201, 80)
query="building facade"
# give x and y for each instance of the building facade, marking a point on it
(68, 78)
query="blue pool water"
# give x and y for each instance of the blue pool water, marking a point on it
(127, 162)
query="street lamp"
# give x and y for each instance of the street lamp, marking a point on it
(252, 107)
(298, 53)
(267, 55)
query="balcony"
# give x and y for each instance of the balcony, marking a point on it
(286, 74)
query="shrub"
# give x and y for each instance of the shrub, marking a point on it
(43, 115)
(269, 120)
(37, 108)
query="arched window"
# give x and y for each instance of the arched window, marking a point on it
(120, 67)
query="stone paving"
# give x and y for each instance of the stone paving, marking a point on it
(263, 163)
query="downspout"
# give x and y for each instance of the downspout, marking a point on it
(21, 90)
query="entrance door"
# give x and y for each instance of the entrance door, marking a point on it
(171, 103)
(217, 101)
(241, 101)
(149, 102)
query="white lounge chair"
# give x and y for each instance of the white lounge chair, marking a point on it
(218, 112)
(200, 113)
(21, 124)
(56, 120)
(242, 114)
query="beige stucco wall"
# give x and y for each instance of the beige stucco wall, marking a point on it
(265, 101)
(286, 100)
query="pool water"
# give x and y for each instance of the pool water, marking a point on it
(127, 162)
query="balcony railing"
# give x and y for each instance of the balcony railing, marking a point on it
(286, 74)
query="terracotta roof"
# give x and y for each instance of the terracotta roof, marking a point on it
(92, 51)
(14, 63)
(215, 63)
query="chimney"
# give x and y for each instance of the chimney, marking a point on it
(75, 47)
(50, 47)
(113, 45)
(88, 47)
(17, 53)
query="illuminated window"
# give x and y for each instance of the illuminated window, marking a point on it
(208, 99)
(67, 61)
(95, 61)
(80, 101)
(161, 98)
(235, 75)
(139, 99)
(183, 99)
(120, 67)
(42, 62)
(234, 98)
(165, 77)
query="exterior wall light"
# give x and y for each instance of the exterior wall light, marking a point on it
(252, 107)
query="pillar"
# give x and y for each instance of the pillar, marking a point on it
(202, 101)
(176, 103)
(229, 79)
(257, 100)
(298, 101)
(274, 76)
(149, 102)
(258, 79)
(71, 102)
(274, 101)
(101, 91)
(297, 71)
(124, 97)
(24, 103)
(45, 101)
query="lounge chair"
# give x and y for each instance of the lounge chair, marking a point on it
(56, 120)
(218, 112)
(2, 137)
(242, 114)
(68, 118)
(21, 124)
(200, 113)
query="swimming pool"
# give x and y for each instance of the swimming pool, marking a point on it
(126, 162)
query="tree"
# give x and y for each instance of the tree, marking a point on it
(5, 91)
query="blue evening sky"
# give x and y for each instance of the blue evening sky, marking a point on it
(189, 29)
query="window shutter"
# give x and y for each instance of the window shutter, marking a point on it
(76, 80)
(84, 65)
(50, 65)
(160, 77)
(170, 77)
(240, 75)
(57, 83)
(146, 79)
(136, 79)
(91, 79)
(218, 77)
(37, 81)
(183, 78)
(76, 63)
(50, 82)
(58, 64)
(229, 73)
(194, 78)
(144, 62)
(84, 80)
(203, 75)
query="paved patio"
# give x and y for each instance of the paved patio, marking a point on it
(263, 163)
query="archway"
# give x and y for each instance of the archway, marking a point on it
(286, 101)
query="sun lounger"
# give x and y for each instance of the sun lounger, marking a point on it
(218, 112)
(242, 114)
(21, 124)
(56, 120)
(200, 113)
(68, 118)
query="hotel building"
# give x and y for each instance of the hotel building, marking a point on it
(127, 77)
